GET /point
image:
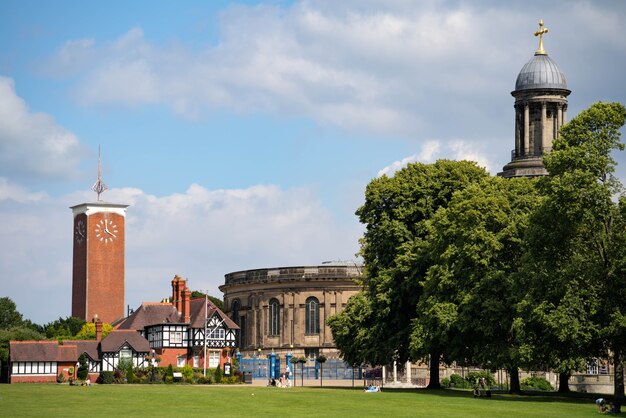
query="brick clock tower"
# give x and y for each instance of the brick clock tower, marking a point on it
(98, 264)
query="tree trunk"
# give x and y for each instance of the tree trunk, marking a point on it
(515, 386)
(564, 382)
(618, 374)
(434, 372)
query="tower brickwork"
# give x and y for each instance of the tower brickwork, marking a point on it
(98, 274)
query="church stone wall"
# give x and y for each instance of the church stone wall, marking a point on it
(253, 290)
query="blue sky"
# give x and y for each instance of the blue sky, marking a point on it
(243, 134)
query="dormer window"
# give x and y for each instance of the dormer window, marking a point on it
(126, 353)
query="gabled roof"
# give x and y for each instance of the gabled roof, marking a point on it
(151, 314)
(85, 346)
(198, 309)
(117, 338)
(42, 351)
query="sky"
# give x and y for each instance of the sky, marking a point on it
(242, 135)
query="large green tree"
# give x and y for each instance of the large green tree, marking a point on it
(467, 307)
(63, 328)
(9, 315)
(394, 250)
(576, 274)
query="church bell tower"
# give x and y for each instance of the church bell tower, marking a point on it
(98, 271)
(540, 111)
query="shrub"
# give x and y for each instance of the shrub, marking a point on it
(187, 372)
(203, 380)
(106, 378)
(169, 371)
(445, 382)
(124, 364)
(536, 383)
(61, 378)
(473, 377)
(217, 375)
(458, 381)
(169, 379)
(130, 375)
(83, 368)
(118, 377)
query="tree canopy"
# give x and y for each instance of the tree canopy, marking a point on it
(576, 262)
(9, 316)
(394, 248)
(469, 295)
(489, 272)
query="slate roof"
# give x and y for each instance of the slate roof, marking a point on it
(85, 346)
(42, 351)
(151, 314)
(198, 308)
(117, 338)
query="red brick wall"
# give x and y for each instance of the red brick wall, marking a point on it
(170, 356)
(33, 379)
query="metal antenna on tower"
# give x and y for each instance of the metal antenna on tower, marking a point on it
(99, 186)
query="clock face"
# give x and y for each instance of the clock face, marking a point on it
(80, 232)
(106, 231)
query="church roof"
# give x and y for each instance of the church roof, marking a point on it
(541, 72)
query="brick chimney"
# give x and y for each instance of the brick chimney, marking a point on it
(177, 288)
(98, 323)
(186, 304)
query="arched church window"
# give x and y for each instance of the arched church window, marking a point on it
(274, 317)
(312, 319)
(235, 311)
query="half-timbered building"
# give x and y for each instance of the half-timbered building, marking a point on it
(173, 331)
(44, 361)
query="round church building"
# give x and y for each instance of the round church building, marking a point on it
(285, 309)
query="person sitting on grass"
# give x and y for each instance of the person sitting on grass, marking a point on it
(601, 404)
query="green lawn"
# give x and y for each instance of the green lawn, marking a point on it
(51, 400)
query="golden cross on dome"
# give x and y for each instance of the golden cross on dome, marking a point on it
(540, 33)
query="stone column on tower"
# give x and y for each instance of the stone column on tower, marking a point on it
(540, 87)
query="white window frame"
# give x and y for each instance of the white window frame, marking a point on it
(214, 358)
(181, 361)
(176, 337)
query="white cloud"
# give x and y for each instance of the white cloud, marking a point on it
(433, 150)
(9, 191)
(390, 68)
(200, 234)
(361, 70)
(33, 144)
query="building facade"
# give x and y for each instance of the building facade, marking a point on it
(171, 331)
(176, 330)
(285, 309)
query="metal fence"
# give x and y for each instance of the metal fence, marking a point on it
(261, 368)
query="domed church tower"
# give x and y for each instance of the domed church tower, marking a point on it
(540, 110)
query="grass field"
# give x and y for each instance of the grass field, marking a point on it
(38, 400)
